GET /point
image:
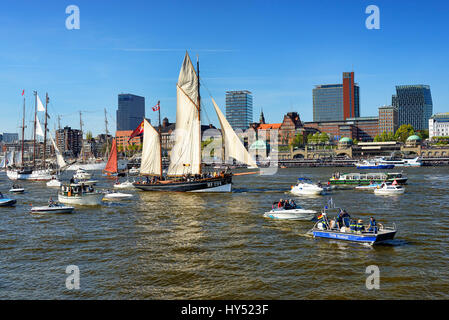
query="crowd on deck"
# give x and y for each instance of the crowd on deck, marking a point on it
(343, 221)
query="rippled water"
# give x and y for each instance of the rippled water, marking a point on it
(219, 246)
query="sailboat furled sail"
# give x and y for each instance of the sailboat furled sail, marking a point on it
(233, 146)
(59, 158)
(111, 166)
(186, 153)
(151, 151)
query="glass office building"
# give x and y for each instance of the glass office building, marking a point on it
(131, 111)
(239, 109)
(414, 105)
(336, 102)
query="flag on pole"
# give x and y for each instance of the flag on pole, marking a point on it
(23, 92)
(157, 106)
(137, 132)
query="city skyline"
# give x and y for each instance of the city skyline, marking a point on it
(118, 49)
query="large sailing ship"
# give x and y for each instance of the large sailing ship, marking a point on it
(185, 170)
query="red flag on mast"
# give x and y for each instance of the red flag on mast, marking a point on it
(23, 92)
(137, 132)
(157, 106)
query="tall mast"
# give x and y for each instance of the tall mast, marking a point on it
(45, 128)
(23, 131)
(107, 133)
(160, 135)
(199, 102)
(34, 132)
(82, 137)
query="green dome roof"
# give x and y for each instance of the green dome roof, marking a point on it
(414, 137)
(258, 145)
(345, 139)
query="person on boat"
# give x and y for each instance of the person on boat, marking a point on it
(360, 226)
(281, 203)
(339, 220)
(51, 203)
(1, 195)
(353, 226)
(72, 180)
(292, 203)
(372, 225)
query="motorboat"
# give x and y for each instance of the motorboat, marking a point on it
(307, 187)
(54, 182)
(124, 185)
(6, 202)
(389, 189)
(53, 208)
(367, 178)
(80, 194)
(329, 229)
(117, 196)
(17, 189)
(81, 174)
(373, 164)
(294, 212)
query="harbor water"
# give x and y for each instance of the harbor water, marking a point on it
(219, 246)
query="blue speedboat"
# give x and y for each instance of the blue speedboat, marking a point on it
(365, 164)
(7, 202)
(328, 228)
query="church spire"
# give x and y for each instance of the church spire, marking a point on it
(262, 118)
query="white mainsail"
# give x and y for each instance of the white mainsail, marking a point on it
(59, 158)
(234, 147)
(186, 153)
(40, 106)
(151, 151)
(39, 130)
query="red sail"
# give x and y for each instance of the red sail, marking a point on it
(111, 166)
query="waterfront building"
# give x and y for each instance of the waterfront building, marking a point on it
(388, 119)
(122, 139)
(131, 111)
(360, 128)
(239, 109)
(414, 105)
(10, 137)
(336, 102)
(69, 141)
(439, 125)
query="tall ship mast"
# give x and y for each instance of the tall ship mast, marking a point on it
(184, 172)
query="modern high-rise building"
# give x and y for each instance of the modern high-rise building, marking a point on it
(239, 109)
(10, 137)
(414, 104)
(388, 119)
(131, 111)
(336, 102)
(69, 141)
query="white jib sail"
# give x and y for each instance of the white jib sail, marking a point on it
(40, 106)
(59, 158)
(234, 147)
(151, 157)
(39, 130)
(185, 157)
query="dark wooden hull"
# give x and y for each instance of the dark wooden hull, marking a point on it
(218, 184)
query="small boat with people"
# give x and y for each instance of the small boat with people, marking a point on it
(305, 186)
(54, 182)
(80, 194)
(343, 227)
(367, 178)
(82, 174)
(389, 189)
(17, 189)
(124, 185)
(373, 164)
(6, 202)
(53, 207)
(288, 210)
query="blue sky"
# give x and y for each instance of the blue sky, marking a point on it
(277, 49)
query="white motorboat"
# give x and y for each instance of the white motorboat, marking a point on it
(28, 174)
(79, 193)
(415, 162)
(54, 182)
(117, 196)
(389, 189)
(17, 189)
(369, 187)
(53, 208)
(124, 185)
(82, 174)
(306, 186)
(289, 213)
